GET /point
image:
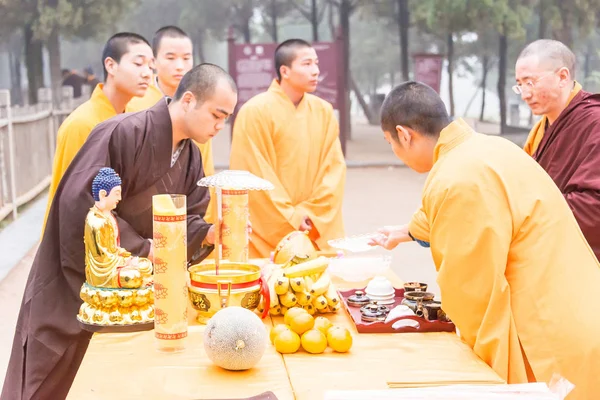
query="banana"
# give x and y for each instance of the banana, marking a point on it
(308, 282)
(288, 299)
(335, 308)
(303, 298)
(275, 310)
(271, 286)
(320, 303)
(261, 306)
(321, 286)
(315, 266)
(332, 297)
(282, 284)
(310, 309)
(297, 284)
(283, 310)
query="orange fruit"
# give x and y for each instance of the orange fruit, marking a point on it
(322, 324)
(302, 322)
(291, 313)
(339, 339)
(287, 342)
(314, 341)
(277, 329)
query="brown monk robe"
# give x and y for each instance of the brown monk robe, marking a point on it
(570, 153)
(566, 140)
(49, 344)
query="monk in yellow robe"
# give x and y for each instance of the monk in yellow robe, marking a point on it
(127, 72)
(173, 57)
(516, 274)
(291, 138)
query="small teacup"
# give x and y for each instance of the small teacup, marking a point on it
(379, 286)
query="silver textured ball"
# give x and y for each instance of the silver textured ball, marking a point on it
(235, 338)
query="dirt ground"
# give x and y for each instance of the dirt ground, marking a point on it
(374, 197)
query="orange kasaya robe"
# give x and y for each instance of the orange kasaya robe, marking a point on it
(297, 149)
(537, 132)
(73, 133)
(152, 96)
(516, 274)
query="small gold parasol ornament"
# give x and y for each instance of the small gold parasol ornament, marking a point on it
(231, 190)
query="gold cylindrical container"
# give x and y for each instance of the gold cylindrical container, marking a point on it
(170, 280)
(237, 284)
(234, 229)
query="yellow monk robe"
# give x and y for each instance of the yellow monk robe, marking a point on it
(537, 132)
(73, 133)
(298, 150)
(516, 274)
(152, 96)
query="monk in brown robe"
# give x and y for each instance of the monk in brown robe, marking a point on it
(152, 151)
(566, 140)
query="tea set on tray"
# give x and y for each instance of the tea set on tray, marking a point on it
(380, 307)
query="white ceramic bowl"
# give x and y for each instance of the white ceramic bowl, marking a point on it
(358, 269)
(379, 286)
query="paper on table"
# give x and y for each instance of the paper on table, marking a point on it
(529, 391)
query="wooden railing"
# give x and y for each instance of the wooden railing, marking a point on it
(27, 144)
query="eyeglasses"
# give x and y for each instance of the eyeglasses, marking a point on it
(530, 84)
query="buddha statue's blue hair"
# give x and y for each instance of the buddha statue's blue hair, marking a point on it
(107, 179)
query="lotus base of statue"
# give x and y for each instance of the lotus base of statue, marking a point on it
(116, 310)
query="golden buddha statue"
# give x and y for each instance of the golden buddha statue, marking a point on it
(118, 290)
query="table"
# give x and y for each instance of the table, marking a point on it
(126, 366)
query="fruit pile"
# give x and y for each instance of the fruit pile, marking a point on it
(313, 334)
(302, 283)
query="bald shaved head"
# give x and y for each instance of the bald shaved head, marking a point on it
(202, 81)
(287, 52)
(551, 54)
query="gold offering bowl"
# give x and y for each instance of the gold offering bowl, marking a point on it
(119, 308)
(237, 284)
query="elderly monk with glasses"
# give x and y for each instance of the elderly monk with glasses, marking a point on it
(566, 140)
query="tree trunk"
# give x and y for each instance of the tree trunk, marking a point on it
(542, 26)
(587, 69)
(314, 20)
(35, 64)
(345, 10)
(503, 50)
(16, 91)
(246, 31)
(485, 67)
(450, 48)
(274, 20)
(53, 45)
(363, 104)
(392, 78)
(403, 25)
(200, 47)
(565, 33)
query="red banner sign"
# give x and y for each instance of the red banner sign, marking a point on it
(253, 68)
(428, 69)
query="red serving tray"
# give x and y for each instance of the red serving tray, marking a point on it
(382, 327)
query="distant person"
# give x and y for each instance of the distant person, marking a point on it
(291, 138)
(90, 77)
(73, 79)
(127, 61)
(173, 57)
(152, 152)
(504, 242)
(566, 140)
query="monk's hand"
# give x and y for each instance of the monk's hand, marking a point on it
(210, 235)
(391, 236)
(151, 252)
(306, 224)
